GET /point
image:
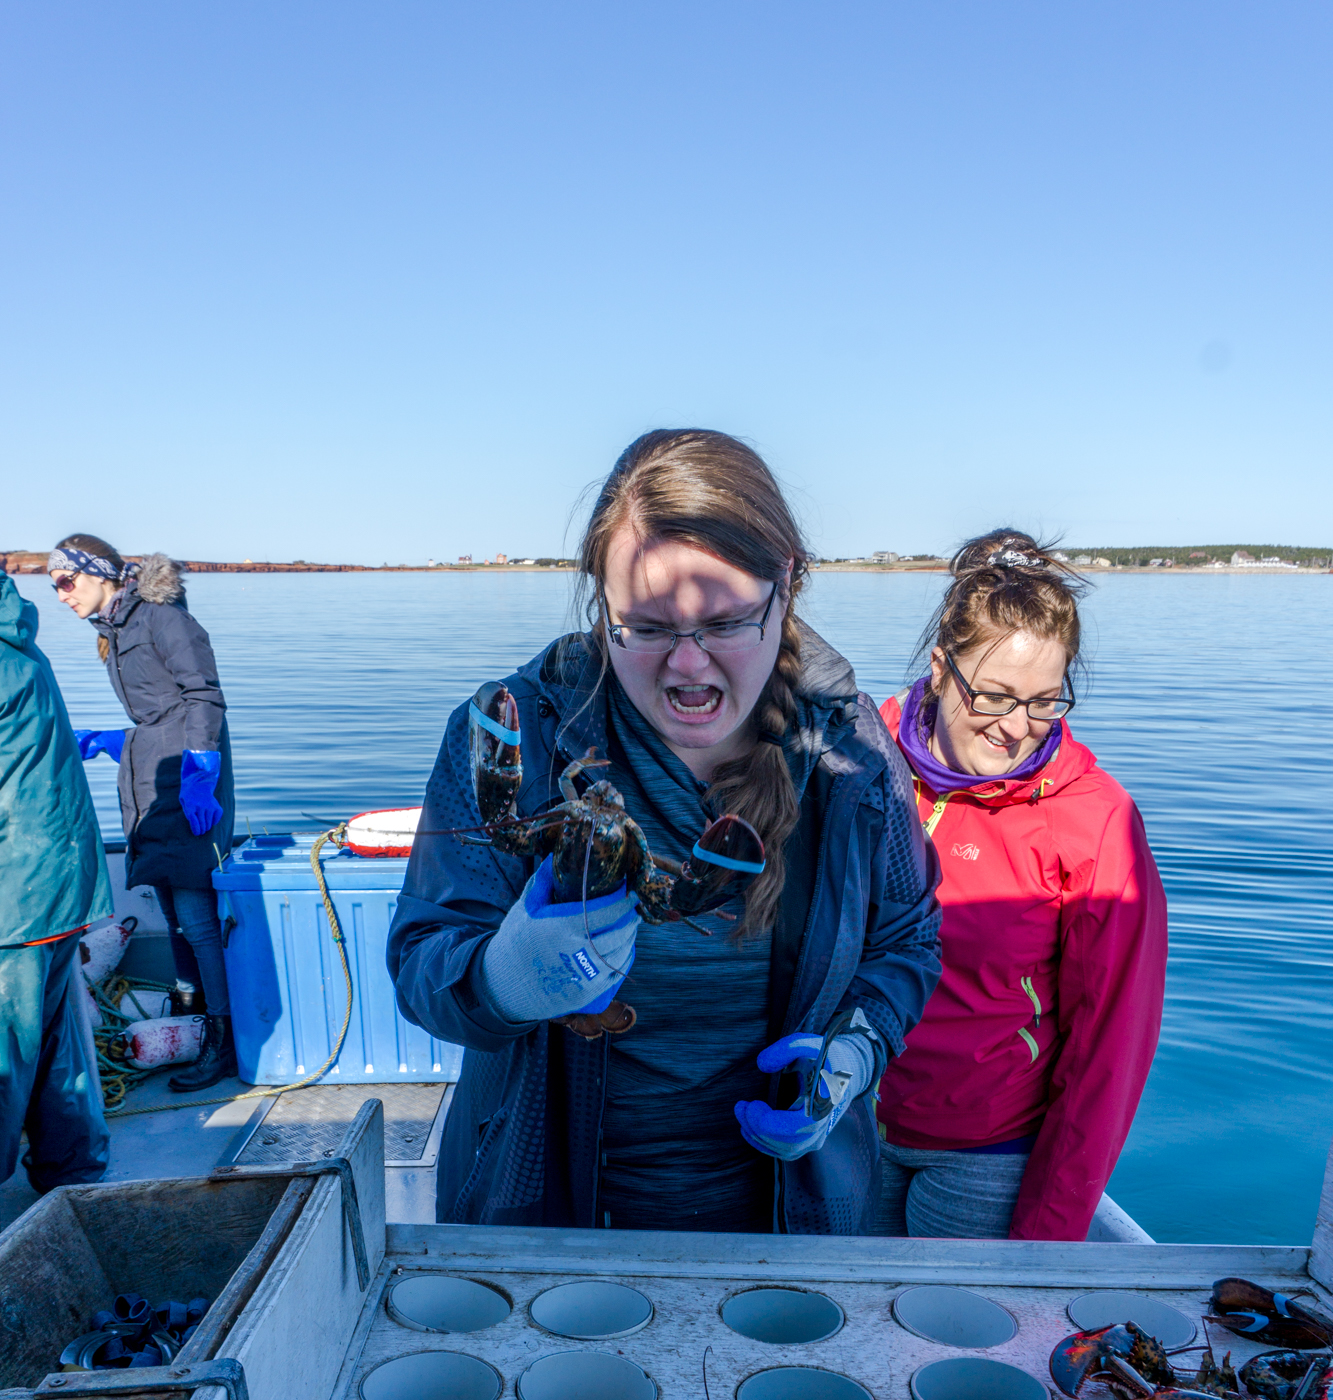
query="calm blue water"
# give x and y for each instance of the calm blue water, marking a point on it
(1209, 702)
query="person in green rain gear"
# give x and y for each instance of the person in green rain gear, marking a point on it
(53, 884)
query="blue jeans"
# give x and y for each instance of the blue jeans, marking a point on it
(196, 943)
(948, 1195)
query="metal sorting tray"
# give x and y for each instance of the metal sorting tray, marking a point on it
(669, 1299)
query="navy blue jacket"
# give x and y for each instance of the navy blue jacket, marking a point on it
(858, 926)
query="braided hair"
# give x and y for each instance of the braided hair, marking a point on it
(716, 494)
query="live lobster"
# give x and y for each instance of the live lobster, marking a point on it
(595, 845)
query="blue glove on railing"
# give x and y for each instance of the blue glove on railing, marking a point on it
(95, 741)
(548, 960)
(835, 1069)
(199, 776)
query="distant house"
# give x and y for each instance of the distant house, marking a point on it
(1156, 563)
(1083, 559)
(464, 558)
(1060, 556)
(1242, 557)
(502, 559)
(883, 556)
(1102, 563)
(528, 561)
(1197, 554)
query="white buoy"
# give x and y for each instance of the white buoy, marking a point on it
(148, 1006)
(170, 1040)
(101, 949)
(384, 833)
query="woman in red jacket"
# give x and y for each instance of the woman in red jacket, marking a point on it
(1008, 1110)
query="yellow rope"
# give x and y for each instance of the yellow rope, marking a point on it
(336, 835)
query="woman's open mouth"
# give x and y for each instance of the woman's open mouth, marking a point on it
(694, 701)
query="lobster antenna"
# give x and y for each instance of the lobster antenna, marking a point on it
(587, 863)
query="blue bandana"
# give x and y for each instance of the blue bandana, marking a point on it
(76, 561)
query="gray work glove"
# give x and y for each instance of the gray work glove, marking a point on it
(548, 960)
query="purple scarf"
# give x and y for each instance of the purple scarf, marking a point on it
(914, 731)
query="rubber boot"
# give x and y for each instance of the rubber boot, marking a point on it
(217, 1058)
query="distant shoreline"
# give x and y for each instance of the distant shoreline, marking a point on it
(25, 562)
(1192, 570)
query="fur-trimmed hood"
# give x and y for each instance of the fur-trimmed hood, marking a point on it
(160, 579)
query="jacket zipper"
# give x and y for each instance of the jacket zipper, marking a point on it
(1026, 984)
(936, 812)
(134, 791)
(849, 793)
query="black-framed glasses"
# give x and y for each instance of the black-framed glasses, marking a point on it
(718, 637)
(982, 702)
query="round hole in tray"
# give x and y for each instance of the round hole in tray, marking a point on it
(800, 1383)
(591, 1310)
(782, 1315)
(1169, 1325)
(433, 1375)
(954, 1316)
(975, 1378)
(437, 1303)
(585, 1375)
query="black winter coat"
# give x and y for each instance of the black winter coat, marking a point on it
(162, 670)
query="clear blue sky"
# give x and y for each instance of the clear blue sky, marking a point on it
(389, 280)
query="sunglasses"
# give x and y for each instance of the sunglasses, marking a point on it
(66, 584)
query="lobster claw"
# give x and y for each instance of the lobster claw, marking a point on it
(1250, 1310)
(1124, 1354)
(494, 751)
(615, 1020)
(725, 859)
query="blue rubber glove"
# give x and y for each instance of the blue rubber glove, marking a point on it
(95, 741)
(846, 1073)
(199, 776)
(548, 960)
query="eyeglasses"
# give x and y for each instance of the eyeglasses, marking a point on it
(719, 637)
(981, 702)
(66, 584)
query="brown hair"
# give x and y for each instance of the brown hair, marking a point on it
(716, 494)
(92, 544)
(1005, 582)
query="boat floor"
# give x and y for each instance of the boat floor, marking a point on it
(175, 1135)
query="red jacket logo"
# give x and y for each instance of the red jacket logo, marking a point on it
(967, 851)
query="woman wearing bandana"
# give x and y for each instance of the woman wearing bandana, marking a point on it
(175, 778)
(1008, 1109)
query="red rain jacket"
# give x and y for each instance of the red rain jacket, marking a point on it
(1047, 1016)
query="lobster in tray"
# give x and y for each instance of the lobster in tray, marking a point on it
(595, 845)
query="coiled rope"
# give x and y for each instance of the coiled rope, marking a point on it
(337, 835)
(111, 994)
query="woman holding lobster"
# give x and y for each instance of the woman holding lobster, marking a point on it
(775, 971)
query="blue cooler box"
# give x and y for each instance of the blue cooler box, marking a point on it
(288, 994)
